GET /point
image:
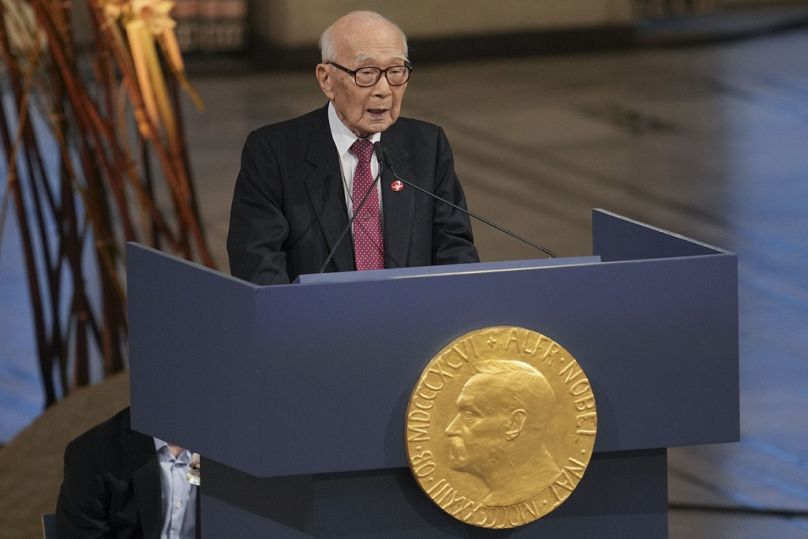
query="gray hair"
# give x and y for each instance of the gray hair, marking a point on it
(328, 47)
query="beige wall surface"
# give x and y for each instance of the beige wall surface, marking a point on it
(298, 23)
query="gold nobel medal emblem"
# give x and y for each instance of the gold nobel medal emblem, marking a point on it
(500, 427)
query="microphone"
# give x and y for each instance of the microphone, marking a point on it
(341, 237)
(383, 155)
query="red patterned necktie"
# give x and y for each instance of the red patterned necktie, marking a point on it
(367, 226)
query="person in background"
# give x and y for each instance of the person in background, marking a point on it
(120, 483)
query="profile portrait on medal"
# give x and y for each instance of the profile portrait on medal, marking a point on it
(499, 431)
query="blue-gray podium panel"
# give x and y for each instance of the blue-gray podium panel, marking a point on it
(278, 387)
(657, 338)
(623, 495)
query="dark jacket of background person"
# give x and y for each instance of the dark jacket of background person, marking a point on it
(111, 484)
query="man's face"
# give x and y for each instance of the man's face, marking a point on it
(364, 110)
(478, 432)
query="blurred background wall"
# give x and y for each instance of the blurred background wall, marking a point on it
(289, 23)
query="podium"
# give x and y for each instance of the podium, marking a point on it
(301, 424)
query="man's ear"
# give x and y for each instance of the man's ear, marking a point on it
(515, 424)
(323, 74)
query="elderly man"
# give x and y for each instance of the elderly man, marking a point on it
(498, 432)
(302, 180)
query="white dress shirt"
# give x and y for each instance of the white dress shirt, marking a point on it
(178, 507)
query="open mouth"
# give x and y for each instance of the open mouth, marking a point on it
(377, 113)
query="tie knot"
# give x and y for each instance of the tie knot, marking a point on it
(362, 149)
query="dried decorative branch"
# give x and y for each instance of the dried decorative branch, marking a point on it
(102, 191)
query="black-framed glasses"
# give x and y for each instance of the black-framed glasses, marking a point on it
(369, 76)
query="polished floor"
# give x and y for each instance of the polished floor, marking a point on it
(709, 141)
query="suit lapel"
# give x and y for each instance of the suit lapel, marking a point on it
(146, 482)
(323, 182)
(398, 206)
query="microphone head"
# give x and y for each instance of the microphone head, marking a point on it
(377, 149)
(380, 154)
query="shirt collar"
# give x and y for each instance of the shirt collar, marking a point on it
(161, 447)
(343, 137)
(159, 444)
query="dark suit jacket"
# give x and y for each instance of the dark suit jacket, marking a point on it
(289, 203)
(111, 484)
